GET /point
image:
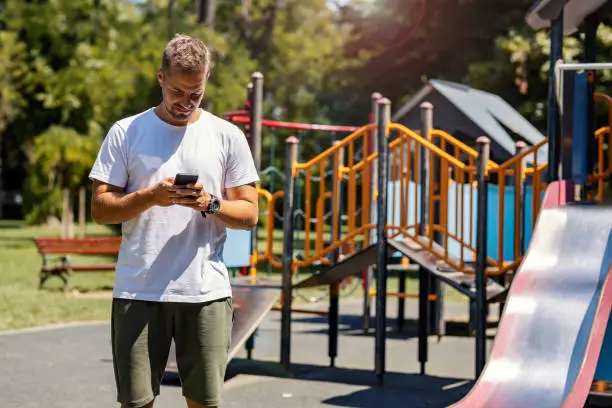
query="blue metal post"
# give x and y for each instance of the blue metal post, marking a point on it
(556, 48)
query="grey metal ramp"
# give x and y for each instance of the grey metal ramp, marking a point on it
(463, 282)
(349, 266)
(550, 335)
(251, 304)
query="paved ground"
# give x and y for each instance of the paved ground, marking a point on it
(71, 367)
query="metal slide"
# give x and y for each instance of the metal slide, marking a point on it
(252, 301)
(550, 335)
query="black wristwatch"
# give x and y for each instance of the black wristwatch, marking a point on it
(213, 206)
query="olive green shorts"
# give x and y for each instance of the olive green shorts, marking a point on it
(142, 333)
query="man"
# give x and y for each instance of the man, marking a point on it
(171, 282)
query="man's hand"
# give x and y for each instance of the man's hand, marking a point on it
(165, 193)
(193, 196)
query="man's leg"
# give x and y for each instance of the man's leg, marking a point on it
(202, 338)
(141, 338)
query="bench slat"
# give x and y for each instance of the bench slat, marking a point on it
(85, 246)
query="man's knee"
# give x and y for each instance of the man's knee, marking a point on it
(192, 404)
(149, 405)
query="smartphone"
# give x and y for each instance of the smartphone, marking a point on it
(182, 179)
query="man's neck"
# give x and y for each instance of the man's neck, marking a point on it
(161, 112)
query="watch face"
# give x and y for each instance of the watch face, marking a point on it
(213, 205)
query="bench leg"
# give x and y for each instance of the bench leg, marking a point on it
(43, 278)
(64, 277)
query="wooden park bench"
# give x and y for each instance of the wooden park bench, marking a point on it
(64, 247)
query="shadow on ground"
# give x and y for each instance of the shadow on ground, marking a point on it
(398, 390)
(352, 325)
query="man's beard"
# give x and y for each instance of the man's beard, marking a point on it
(176, 115)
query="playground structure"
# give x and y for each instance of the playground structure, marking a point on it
(465, 220)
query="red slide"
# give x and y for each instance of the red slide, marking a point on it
(550, 335)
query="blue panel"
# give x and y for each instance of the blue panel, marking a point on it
(394, 201)
(604, 365)
(579, 131)
(494, 224)
(237, 248)
(528, 220)
(459, 207)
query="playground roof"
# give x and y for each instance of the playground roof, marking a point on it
(476, 113)
(575, 11)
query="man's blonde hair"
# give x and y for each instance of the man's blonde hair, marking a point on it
(187, 54)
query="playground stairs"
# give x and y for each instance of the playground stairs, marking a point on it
(432, 206)
(343, 210)
(419, 255)
(461, 281)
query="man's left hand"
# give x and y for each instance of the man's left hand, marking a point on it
(193, 196)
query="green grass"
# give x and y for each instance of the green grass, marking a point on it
(22, 304)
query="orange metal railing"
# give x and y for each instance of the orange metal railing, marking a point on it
(520, 172)
(452, 192)
(449, 172)
(270, 204)
(604, 167)
(355, 169)
(455, 147)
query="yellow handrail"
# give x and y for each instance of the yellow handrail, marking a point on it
(446, 138)
(270, 201)
(423, 142)
(327, 153)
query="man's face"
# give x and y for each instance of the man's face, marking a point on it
(182, 92)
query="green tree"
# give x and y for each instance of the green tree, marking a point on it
(60, 158)
(405, 42)
(11, 101)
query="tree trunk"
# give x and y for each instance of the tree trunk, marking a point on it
(82, 212)
(170, 19)
(206, 12)
(2, 193)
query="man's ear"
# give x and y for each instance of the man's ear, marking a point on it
(160, 76)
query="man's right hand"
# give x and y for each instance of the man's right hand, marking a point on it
(164, 193)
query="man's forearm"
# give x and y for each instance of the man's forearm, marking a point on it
(115, 208)
(238, 214)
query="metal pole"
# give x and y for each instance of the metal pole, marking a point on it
(436, 288)
(426, 112)
(367, 304)
(250, 343)
(566, 104)
(484, 146)
(255, 94)
(289, 207)
(255, 112)
(556, 48)
(334, 303)
(590, 53)
(581, 66)
(425, 180)
(384, 107)
(520, 148)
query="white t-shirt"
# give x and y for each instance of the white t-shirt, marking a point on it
(172, 253)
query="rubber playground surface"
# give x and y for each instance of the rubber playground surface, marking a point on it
(71, 366)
